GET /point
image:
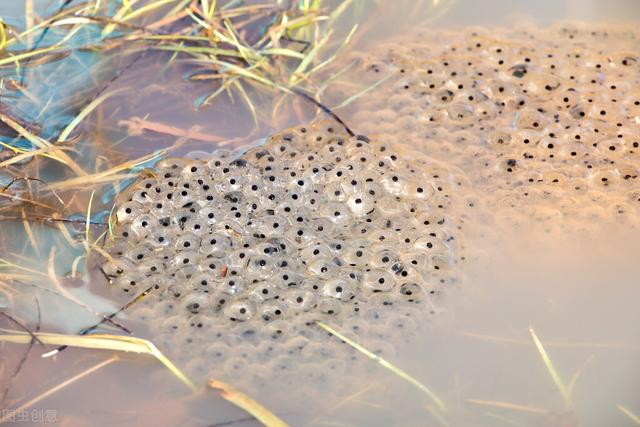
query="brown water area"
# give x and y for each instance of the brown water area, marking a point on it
(471, 218)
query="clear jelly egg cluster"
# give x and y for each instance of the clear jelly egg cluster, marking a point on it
(545, 122)
(313, 225)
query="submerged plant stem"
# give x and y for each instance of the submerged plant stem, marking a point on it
(552, 370)
(509, 405)
(243, 401)
(103, 342)
(635, 418)
(387, 365)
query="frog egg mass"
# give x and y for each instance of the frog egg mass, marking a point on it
(545, 122)
(313, 225)
(242, 254)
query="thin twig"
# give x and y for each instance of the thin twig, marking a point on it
(23, 327)
(23, 360)
(324, 108)
(109, 318)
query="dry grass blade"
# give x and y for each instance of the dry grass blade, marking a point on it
(8, 264)
(344, 43)
(125, 13)
(88, 223)
(387, 365)
(147, 8)
(10, 414)
(243, 401)
(137, 125)
(17, 58)
(53, 278)
(362, 92)
(110, 223)
(574, 379)
(247, 99)
(25, 154)
(331, 423)
(438, 415)
(503, 419)
(299, 72)
(247, 73)
(20, 199)
(60, 155)
(3, 36)
(108, 175)
(101, 342)
(508, 405)
(84, 113)
(552, 370)
(28, 180)
(631, 415)
(29, 231)
(485, 337)
(342, 403)
(43, 59)
(98, 178)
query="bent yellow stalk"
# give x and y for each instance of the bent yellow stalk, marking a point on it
(628, 413)
(243, 401)
(100, 342)
(387, 365)
(60, 155)
(552, 370)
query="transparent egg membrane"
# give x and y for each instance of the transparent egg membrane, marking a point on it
(243, 254)
(544, 122)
